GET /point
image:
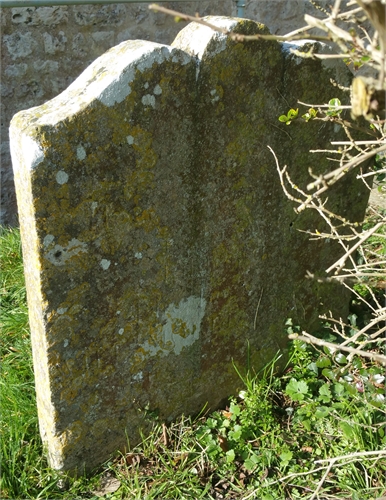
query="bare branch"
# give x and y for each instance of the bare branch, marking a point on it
(234, 36)
(340, 263)
(309, 339)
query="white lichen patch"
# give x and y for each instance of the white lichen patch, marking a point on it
(157, 90)
(215, 96)
(94, 206)
(183, 323)
(61, 177)
(120, 331)
(80, 152)
(119, 89)
(105, 264)
(130, 140)
(158, 54)
(62, 310)
(59, 255)
(142, 56)
(148, 100)
(181, 327)
(48, 239)
(138, 377)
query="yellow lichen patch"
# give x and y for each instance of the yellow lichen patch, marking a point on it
(154, 228)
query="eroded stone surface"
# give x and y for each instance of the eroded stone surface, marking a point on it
(157, 242)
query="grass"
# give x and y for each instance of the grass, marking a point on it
(315, 431)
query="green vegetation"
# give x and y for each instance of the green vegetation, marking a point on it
(317, 429)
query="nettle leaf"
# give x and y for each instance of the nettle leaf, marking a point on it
(226, 423)
(322, 411)
(296, 390)
(211, 423)
(325, 393)
(353, 319)
(234, 409)
(236, 433)
(230, 456)
(356, 362)
(251, 462)
(347, 430)
(285, 457)
(339, 389)
(351, 389)
(313, 368)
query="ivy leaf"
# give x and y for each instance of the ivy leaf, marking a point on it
(341, 358)
(323, 362)
(333, 107)
(329, 374)
(334, 102)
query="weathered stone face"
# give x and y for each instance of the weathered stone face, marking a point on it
(158, 245)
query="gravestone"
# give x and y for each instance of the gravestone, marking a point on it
(159, 248)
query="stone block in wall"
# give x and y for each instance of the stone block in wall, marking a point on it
(42, 16)
(72, 37)
(19, 45)
(52, 45)
(159, 248)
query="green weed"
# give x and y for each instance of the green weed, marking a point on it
(317, 427)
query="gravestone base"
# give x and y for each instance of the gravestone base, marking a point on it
(159, 248)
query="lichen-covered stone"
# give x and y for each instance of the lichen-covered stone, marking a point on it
(158, 245)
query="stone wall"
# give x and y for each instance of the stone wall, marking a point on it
(44, 49)
(158, 245)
